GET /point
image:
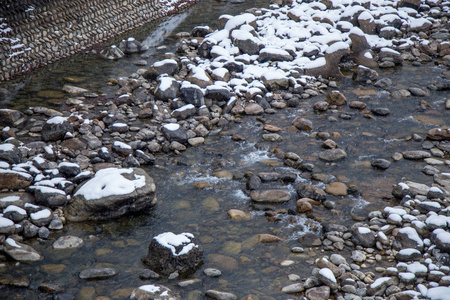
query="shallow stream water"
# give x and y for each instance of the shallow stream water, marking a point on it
(247, 267)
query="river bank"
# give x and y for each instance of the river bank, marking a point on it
(313, 153)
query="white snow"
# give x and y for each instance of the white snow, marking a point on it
(6, 147)
(395, 218)
(110, 182)
(336, 47)
(412, 234)
(395, 210)
(69, 164)
(172, 126)
(42, 214)
(12, 243)
(439, 293)
(4, 222)
(379, 282)
(363, 230)
(437, 220)
(23, 174)
(171, 241)
(406, 275)
(56, 120)
(121, 145)
(164, 62)
(327, 273)
(10, 199)
(417, 267)
(165, 83)
(16, 209)
(442, 235)
(150, 288)
(119, 125)
(185, 107)
(49, 190)
(409, 251)
(4, 165)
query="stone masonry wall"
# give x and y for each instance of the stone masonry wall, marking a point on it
(34, 33)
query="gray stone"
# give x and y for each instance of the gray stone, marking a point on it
(211, 272)
(20, 252)
(55, 129)
(380, 163)
(305, 190)
(68, 242)
(174, 132)
(154, 292)
(270, 195)
(318, 293)
(49, 197)
(332, 155)
(220, 295)
(97, 273)
(10, 153)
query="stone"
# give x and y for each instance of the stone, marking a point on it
(236, 214)
(184, 112)
(211, 272)
(380, 111)
(270, 195)
(112, 53)
(20, 252)
(363, 74)
(8, 117)
(332, 155)
(10, 153)
(97, 273)
(310, 239)
(14, 180)
(268, 238)
(408, 237)
(253, 109)
(326, 276)
(329, 65)
(358, 256)
(154, 291)
(274, 54)
(380, 163)
(112, 193)
(336, 98)
(49, 197)
(246, 42)
(167, 88)
(416, 154)
(68, 242)
(293, 288)
(275, 80)
(192, 93)
(55, 129)
(7, 226)
(302, 124)
(439, 134)
(305, 190)
(336, 189)
(363, 236)
(73, 90)
(169, 252)
(131, 45)
(220, 295)
(408, 254)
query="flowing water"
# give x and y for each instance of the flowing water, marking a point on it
(247, 267)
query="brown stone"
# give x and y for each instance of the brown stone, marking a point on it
(13, 180)
(336, 98)
(237, 214)
(202, 185)
(336, 189)
(268, 238)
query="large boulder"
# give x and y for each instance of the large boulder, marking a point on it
(14, 180)
(8, 117)
(168, 88)
(174, 132)
(169, 252)
(112, 193)
(20, 252)
(191, 93)
(328, 66)
(10, 153)
(55, 129)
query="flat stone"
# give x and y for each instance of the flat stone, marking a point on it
(220, 295)
(97, 273)
(68, 242)
(270, 195)
(237, 214)
(336, 189)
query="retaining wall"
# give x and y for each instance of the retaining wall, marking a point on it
(34, 33)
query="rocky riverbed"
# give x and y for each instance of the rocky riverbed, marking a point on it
(309, 87)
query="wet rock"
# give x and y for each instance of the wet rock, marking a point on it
(310, 240)
(236, 214)
(268, 238)
(332, 155)
(270, 195)
(336, 189)
(253, 109)
(29, 229)
(20, 252)
(73, 90)
(439, 134)
(154, 291)
(293, 288)
(336, 98)
(213, 294)
(321, 106)
(130, 45)
(380, 111)
(169, 252)
(112, 193)
(210, 272)
(149, 274)
(302, 124)
(310, 191)
(97, 273)
(380, 163)
(416, 154)
(44, 233)
(363, 74)
(112, 53)
(68, 242)
(55, 129)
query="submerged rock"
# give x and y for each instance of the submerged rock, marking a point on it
(154, 291)
(112, 193)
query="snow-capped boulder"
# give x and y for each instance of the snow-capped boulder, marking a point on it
(191, 93)
(442, 239)
(275, 79)
(328, 66)
(55, 129)
(130, 45)
(166, 66)
(10, 153)
(246, 42)
(184, 112)
(199, 77)
(174, 132)
(274, 54)
(20, 252)
(112, 193)
(363, 236)
(49, 197)
(14, 180)
(6, 226)
(408, 237)
(167, 89)
(169, 252)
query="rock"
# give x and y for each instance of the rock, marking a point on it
(121, 149)
(169, 252)
(337, 189)
(325, 263)
(318, 293)
(326, 276)
(201, 31)
(217, 93)
(302, 124)
(10, 153)
(274, 54)
(332, 155)
(154, 291)
(408, 254)
(246, 42)
(358, 256)
(55, 129)
(149, 274)
(73, 90)
(329, 65)
(363, 236)
(14, 180)
(310, 239)
(408, 237)
(442, 239)
(293, 288)
(304, 205)
(112, 193)
(174, 132)
(97, 273)
(20, 252)
(416, 154)
(199, 77)
(7, 226)
(380, 111)
(41, 217)
(192, 94)
(14, 213)
(210, 272)
(270, 195)
(166, 66)
(310, 191)
(184, 112)
(265, 238)
(274, 80)
(380, 163)
(220, 295)
(8, 117)
(167, 89)
(237, 214)
(378, 287)
(130, 45)
(68, 242)
(112, 53)
(439, 134)
(49, 197)
(336, 98)
(364, 74)
(321, 106)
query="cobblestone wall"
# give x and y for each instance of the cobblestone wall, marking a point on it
(34, 33)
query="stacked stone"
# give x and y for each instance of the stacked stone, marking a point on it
(34, 33)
